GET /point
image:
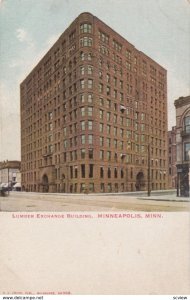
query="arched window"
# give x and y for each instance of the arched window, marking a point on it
(187, 124)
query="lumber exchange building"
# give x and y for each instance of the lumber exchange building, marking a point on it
(90, 110)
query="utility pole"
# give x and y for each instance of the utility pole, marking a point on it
(148, 177)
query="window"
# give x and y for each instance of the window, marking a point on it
(108, 129)
(82, 56)
(90, 110)
(90, 139)
(108, 90)
(82, 83)
(101, 113)
(90, 97)
(83, 171)
(83, 139)
(128, 54)
(82, 153)
(90, 83)
(89, 70)
(108, 78)
(82, 111)
(89, 125)
(103, 37)
(100, 88)
(128, 66)
(109, 172)
(89, 57)
(108, 155)
(101, 141)
(90, 153)
(50, 126)
(187, 151)
(101, 102)
(101, 127)
(108, 116)
(102, 154)
(82, 70)
(82, 125)
(109, 104)
(76, 171)
(115, 131)
(86, 42)
(85, 28)
(82, 98)
(108, 142)
(187, 124)
(101, 172)
(91, 167)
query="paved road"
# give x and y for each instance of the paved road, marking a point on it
(18, 201)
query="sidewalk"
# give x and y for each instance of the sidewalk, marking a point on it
(165, 198)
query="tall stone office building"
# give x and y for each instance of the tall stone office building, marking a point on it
(89, 110)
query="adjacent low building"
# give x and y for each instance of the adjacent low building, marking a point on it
(10, 174)
(183, 145)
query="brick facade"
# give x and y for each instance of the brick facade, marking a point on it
(89, 110)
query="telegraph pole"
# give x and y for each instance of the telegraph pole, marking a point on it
(148, 177)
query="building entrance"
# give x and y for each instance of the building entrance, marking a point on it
(45, 184)
(140, 182)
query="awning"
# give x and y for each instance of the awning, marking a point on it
(18, 184)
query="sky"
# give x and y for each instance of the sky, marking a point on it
(28, 28)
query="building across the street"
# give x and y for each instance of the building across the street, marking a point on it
(10, 174)
(172, 172)
(183, 145)
(90, 110)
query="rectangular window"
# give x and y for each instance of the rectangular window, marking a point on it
(108, 142)
(101, 172)
(82, 125)
(90, 83)
(108, 129)
(82, 153)
(90, 139)
(187, 151)
(101, 141)
(187, 124)
(91, 168)
(82, 70)
(83, 171)
(90, 109)
(101, 114)
(100, 88)
(90, 97)
(102, 154)
(89, 70)
(82, 83)
(90, 153)
(82, 111)
(108, 116)
(108, 155)
(89, 125)
(85, 28)
(83, 139)
(86, 42)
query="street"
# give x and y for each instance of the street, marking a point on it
(22, 201)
